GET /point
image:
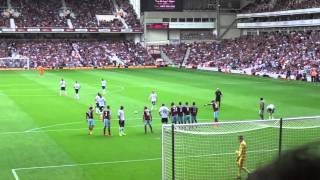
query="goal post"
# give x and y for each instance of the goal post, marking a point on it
(207, 150)
(15, 62)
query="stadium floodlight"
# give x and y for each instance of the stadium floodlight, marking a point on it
(15, 62)
(208, 150)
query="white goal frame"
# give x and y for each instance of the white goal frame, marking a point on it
(280, 124)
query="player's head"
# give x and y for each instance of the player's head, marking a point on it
(145, 107)
(218, 89)
(212, 101)
(172, 104)
(163, 105)
(180, 103)
(102, 79)
(62, 79)
(121, 107)
(90, 108)
(108, 107)
(76, 82)
(261, 99)
(241, 138)
(152, 92)
(187, 103)
(194, 103)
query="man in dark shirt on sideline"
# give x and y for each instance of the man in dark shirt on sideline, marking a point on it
(218, 94)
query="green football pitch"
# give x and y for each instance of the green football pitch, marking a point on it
(44, 135)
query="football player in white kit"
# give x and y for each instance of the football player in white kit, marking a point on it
(97, 99)
(76, 89)
(121, 118)
(102, 103)
(103, 85)
(153, 98)
(271, 108)
(63, 87)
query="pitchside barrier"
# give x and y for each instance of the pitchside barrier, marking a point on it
(2, 68)
(206, 151)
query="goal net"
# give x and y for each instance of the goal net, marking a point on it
(15, 62)
(207, 150)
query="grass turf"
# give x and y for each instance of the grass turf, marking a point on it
(39, 128)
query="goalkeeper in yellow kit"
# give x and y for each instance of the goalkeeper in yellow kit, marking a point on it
(241, 157)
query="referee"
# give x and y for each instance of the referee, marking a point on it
(218, 94)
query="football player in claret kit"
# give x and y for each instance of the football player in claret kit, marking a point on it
(241, 157)
(106, 118)
(103, 85)
(63, 87)
(215, 108)
(121, 118)
(174, 114)
(89, 118)
(76, 89)
(153, 97)
(194, 113)
(147, 119)
(186, 113)
(180, 113)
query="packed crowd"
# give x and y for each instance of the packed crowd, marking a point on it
(280, 5)
(284, 54)
(69, 53)
(37, 13)
(295, 54)
(175, 52)
(127, 12)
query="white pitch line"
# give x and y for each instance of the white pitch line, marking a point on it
(14, 171)
(55, 125)
(15, 175)
(87, 164)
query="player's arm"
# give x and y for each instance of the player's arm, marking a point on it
(150, 117)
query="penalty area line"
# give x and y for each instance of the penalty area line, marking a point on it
(14, 171)
(15, 175)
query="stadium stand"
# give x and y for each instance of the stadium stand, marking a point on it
(295, 54)
(175, 52)
(279, 5)
(37, 13)
(83, 14)
(75, 53)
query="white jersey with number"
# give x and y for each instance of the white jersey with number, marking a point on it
(104, 83)
(121, 115)
(164, 112)
(62, 83)
(76, 86)
(153, 97)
